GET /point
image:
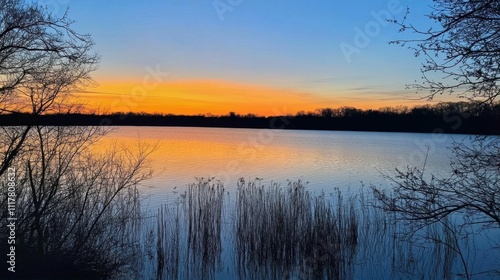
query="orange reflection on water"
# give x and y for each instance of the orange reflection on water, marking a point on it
(227, 154)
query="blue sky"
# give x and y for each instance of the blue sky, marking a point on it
(280, 44)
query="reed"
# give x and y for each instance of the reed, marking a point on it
(185, 239)
(285, 231)
(288, 232)
(203, 207)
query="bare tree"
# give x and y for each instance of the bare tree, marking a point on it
(33, 41)
(42, 60)
(472, 190)
(462, 50)
(76, 205)
(462, 57)
(465, 50)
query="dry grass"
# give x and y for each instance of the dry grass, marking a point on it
(287, 232)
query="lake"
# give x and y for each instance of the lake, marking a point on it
(232, 232)
(325, 159)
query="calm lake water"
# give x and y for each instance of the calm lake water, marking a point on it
(324, 159)
(222, 246)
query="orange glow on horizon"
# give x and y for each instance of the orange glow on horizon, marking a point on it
(213, 97)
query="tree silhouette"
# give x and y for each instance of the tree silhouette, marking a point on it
(42, 60)
(74, 207)
(464, 49)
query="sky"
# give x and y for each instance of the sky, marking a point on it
(246, 56)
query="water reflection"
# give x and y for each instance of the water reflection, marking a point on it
(268, 231)
(285, 233)
(184, 241)
(326, 158)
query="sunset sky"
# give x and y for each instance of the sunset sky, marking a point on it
(246, 56)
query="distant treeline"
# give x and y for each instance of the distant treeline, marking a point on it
(456, 117)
